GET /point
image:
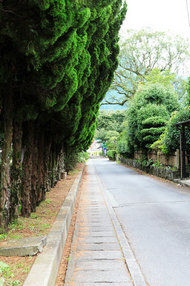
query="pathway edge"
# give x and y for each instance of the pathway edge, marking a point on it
(45, 268)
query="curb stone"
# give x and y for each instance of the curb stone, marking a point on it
(184, 183)
(45, 268)
(23, 247)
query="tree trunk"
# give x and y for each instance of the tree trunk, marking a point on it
(27, 171)
(5, 191)
(46, 165)
(16, 169)
(60, 163)
(41, 195)
(53, 166)
(34, 178)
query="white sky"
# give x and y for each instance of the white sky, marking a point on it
(160, 15)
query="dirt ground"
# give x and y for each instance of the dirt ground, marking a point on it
(39, 224)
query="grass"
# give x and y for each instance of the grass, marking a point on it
(7, 276)
(15, 236)
(3, 236)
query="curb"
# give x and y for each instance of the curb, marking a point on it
(176, 181)
(182, 183)
(45, 268)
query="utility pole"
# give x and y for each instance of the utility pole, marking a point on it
(188, 16)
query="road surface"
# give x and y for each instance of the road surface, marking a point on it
(155, 218)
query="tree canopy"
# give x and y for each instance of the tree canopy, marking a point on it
(169, 141)
(148, 113)
(109, 124)
(141, 53)
(58, 61)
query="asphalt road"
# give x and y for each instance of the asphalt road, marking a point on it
(155, 217)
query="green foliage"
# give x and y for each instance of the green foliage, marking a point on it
(169, 79)
(112, 142)
(85, 156)
(111, 154)
(109, 127)
(165, 78)
(68, 56)
(188, 92)
(73, 158)
(7, 277)
(147, 115)
(146, 163)
(157, 164)
(170, 140)
(122, 141)
(147, 56)
(158, 94)
(147, 132)
(57, 62)
(122, 147)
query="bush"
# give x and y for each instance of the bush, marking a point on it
(148, 112)
(73, 158)
(122, 147)
(84, 156)
(170, 140)
(111, 154)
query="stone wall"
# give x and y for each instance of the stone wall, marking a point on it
(163, 172)
(172, 160)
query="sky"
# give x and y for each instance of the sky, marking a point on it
(162, 15)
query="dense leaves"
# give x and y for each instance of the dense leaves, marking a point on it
(147, 115)
(57, 62)
(143, 52)
(170, 140)
(110, 125)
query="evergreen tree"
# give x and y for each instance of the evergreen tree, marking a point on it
(58, 60)
(148, 113)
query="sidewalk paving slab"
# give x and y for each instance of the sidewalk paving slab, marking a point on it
(96, 257)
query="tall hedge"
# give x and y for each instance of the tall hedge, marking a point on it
(58, 60)
(147, 115)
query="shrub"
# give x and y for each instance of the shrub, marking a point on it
(169, 141)
(111, 154)
(148, 113)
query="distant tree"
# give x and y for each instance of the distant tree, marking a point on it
(188, 93)
(147, 115)
(152, 119)
(109, 124)
(169, 141)
(142, 52)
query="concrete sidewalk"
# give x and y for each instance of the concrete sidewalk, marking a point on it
(96, 256)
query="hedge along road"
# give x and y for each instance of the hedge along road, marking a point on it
(155, 218)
